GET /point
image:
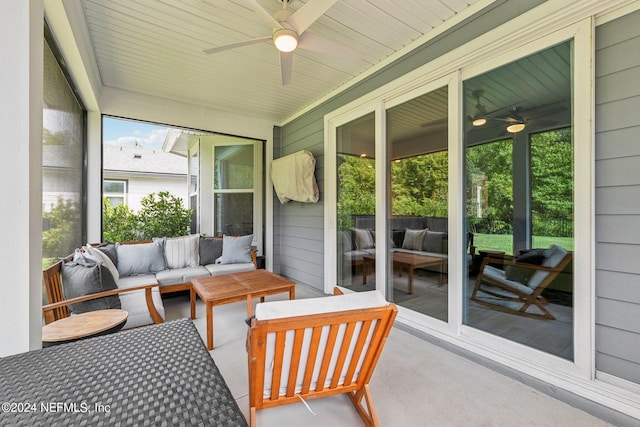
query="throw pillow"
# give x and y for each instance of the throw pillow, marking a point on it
(364, 239)
(347, 241)
(236, 250)
(141, 258)
(182, 251)
(434, 241)
(106, 260)
(109, 249)
(413, 239)
(210, 250)
(523, 274)
(86, 275)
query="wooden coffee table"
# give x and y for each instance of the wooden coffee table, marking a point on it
(228, 288)
(83, 325)
(407, 260)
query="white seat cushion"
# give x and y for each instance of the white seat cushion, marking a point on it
(135, 302)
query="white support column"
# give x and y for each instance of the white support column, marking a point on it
(94, 176)
(21, 44)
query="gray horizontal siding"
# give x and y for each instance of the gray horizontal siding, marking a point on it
(617, 198)
(306, 264)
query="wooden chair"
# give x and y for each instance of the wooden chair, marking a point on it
(495, 283)
(312, 348)
(58, 305)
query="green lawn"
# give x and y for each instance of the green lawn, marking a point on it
(504, 242)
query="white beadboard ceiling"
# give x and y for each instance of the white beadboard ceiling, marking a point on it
(155, 47)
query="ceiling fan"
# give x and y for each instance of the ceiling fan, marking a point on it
(289, 33)
(517, 118)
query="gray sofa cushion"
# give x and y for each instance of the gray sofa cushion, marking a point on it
(218, 269)
(109, 249)
(141, 258)
(86, 275)
(210, 250)
(177, 276)
(364, 239)
(182, 251)
(413, 239)
(135, 302)
(236, 250)
(434, 241)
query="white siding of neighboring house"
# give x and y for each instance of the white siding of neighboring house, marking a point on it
(146, 170)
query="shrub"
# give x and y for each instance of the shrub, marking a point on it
(61, 229)
(162, 214)
(119, 223)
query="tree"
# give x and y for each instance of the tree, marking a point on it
(552, 183)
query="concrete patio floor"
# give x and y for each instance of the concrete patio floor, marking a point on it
(416, 383)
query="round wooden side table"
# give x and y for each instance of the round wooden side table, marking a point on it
(83, 325)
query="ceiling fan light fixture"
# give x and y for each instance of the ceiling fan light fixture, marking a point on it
(285, 40)
(515, 127)
(480, 121)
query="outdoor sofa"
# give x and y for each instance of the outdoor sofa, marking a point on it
(164, 264)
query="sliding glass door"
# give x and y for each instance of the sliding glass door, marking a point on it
(417, 218)
(519, 190)
(356, 203)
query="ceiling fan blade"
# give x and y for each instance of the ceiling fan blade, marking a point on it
(286, 64)
(309, 13)
(264, 14)
(316, 43)
(235, 45)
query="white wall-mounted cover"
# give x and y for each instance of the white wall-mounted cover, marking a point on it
(293, 177)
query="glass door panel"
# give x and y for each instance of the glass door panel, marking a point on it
(417, 141)
(233, 189)
(518, 149)
(356, 204)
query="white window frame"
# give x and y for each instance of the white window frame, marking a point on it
(256, 190)
(124, 195)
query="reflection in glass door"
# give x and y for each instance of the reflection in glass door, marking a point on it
(519, 201)
(417, 141)
(356, 204)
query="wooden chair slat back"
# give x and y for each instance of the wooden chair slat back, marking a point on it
(53, 287)
(341, 348)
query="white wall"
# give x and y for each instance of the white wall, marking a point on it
(21, 40)
(140, 186)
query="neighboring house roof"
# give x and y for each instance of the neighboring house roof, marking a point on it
(141, 160)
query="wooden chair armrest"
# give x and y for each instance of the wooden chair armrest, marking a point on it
(148, 297)
(510, 261)
(254, 256)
